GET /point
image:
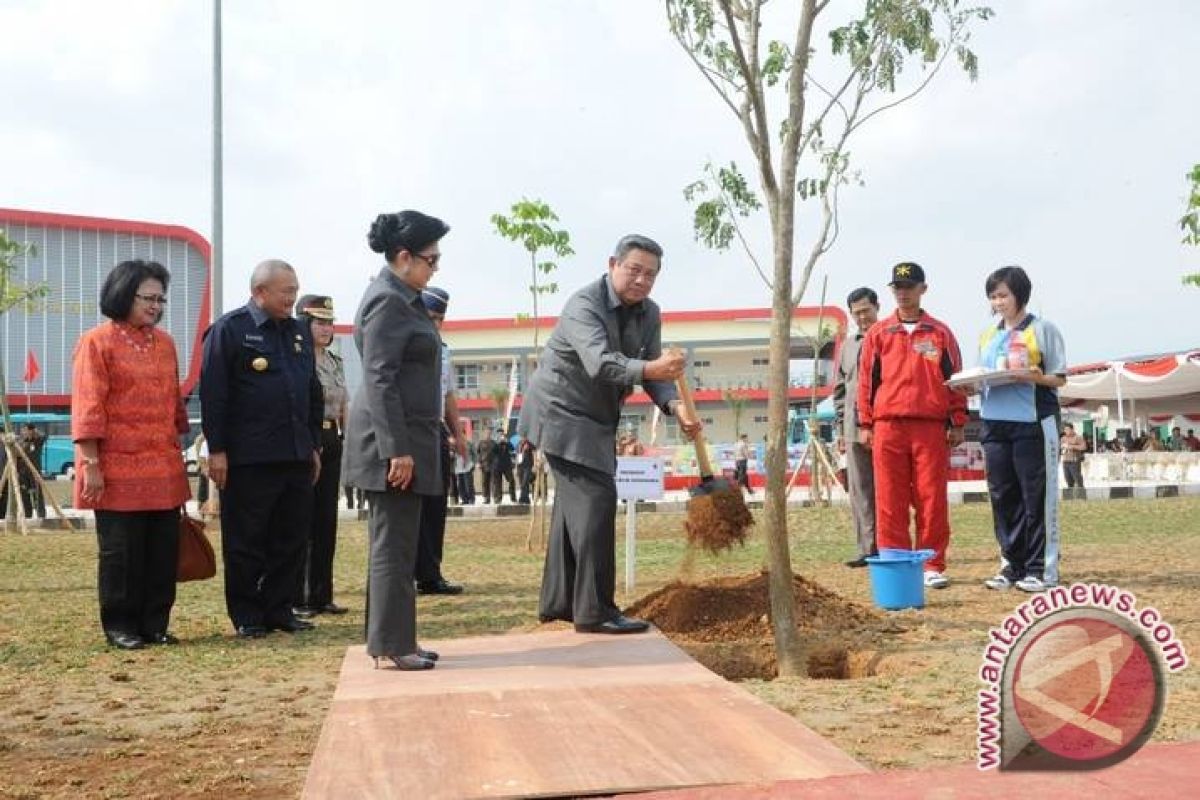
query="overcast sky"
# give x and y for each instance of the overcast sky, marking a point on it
(1067, 156)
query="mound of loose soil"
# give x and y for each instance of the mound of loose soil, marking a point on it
(725, 624)
(739, 608)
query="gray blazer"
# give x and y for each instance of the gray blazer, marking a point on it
(573, 405)
(845, 391)
(395, 411)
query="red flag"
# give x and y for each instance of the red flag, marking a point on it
(32, 368)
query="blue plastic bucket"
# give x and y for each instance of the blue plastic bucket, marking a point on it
(897, 578)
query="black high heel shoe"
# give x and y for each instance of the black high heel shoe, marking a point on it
(409, 663)
(428, 655)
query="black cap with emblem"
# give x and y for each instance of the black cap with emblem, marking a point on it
(907, 273)
(316, 306)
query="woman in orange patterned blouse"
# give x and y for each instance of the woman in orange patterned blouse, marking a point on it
(126, 418)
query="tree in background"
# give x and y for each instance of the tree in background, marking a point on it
(798, 122)
(736, 401)
(499, 395)
(1190, 221)
(13, 295)
(530, 224)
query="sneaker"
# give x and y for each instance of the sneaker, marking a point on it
(999, 582)
(1032, 584)
(936, 580)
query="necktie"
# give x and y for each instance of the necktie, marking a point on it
(627, 331)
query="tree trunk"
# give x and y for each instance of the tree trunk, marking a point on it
(779, 559)
(11, 521)
(533, 289)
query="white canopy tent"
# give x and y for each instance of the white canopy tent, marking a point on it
(1159, 386)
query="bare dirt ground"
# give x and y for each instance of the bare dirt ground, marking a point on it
(220, 717)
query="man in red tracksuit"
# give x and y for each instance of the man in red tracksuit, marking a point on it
(909, 419)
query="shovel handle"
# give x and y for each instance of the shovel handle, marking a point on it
(685, 397)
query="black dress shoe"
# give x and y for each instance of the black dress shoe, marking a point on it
(161, 638)
(305, 612)
(333, 608)
(124, 641)
(861, 561)
(292, 625)
(251, 631)
(428, 655)
(442, 586)
(619, 624)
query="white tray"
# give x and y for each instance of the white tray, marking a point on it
(993, 377)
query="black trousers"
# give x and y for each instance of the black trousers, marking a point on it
(1073, 472)
(579, 577)
(525, 476)
(485, 483)
(431, 544)
(497, 478)
(1015, 454)
(266, 511)
(138, 551)
(466, 487)
(316, 583)
(31, 495)
(741, 469)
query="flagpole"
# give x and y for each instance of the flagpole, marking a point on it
(32, 370)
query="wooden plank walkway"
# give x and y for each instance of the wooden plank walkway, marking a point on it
(1155, 772)
(554, 714)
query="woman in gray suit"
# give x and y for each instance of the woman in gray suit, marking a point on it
(391, 442)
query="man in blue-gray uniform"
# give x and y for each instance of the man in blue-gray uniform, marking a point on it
(431, 544)
(261, 404)
(607, 340)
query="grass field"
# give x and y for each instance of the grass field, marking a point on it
(221, 717)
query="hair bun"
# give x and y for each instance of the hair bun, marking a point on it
(383, 233)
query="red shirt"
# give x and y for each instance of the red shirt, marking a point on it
(125, 394)
(902, 375)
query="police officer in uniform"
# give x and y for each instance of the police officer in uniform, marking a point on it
(431, 544)
(315, 593)
(262, 408)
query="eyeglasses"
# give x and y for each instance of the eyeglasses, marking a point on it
(432, 260)
(152, 299)
(637, 273)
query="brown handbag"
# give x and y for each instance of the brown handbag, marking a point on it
(197, 562)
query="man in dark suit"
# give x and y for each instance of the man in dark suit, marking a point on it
(262, 406)
(501, 468)
(483, 454)
(607, 340)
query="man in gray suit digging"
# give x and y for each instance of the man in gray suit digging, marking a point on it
(607, 340)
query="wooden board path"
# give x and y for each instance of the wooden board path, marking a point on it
(553, 714)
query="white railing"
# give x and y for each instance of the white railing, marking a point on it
(1157, 467)
(749, 380)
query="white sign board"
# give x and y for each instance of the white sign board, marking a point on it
(639, 478)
